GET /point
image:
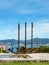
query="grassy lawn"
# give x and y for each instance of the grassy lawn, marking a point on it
(25, 63)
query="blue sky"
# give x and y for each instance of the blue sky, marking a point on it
(13, 12)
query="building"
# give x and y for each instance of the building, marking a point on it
(3, 46)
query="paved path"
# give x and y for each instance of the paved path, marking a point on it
(32, 57)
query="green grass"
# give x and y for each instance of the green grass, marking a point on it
(25, 63)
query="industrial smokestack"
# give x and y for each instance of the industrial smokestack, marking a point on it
(25, 33)
(18, 37)
(31, 34)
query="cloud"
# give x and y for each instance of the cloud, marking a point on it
(32, 7)
(4, 4)
(9, 34)
(41, 30)
(24, 10)
(31, 1)
(25, 6)
(27, 11)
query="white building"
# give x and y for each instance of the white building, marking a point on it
(3, 46)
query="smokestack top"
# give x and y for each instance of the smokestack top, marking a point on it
(32, 24)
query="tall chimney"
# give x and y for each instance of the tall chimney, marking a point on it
(31, 34)
(25, 33)
(18, 37)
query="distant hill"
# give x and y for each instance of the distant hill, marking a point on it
(35, 41)
(41, 40)
(10, 41)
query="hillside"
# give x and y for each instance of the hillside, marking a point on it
(35, 41)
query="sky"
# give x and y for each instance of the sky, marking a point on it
(13, 12)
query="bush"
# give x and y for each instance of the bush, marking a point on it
(4, 51)
(43, 49)
(1, 50)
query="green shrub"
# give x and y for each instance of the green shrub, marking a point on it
(4, 51)
(43, 49)
(1, 50)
